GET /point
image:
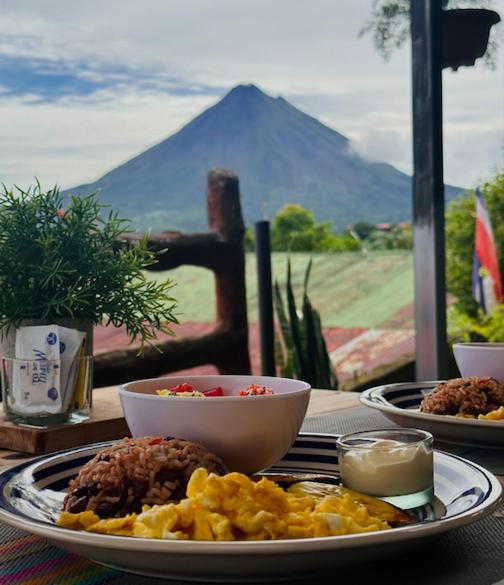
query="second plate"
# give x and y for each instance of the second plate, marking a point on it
(401, 404)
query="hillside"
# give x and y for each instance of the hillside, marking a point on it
(365, 300)
(349, 289)
(280, 154)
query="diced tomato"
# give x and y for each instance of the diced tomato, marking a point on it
(256, 390)
(214, 392)
(155, 441)
(184, 387)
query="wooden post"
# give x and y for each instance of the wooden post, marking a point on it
(265, 296)
(225, 218)
(220, 250)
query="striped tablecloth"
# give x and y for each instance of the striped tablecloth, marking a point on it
(29, 560)
(473, 555)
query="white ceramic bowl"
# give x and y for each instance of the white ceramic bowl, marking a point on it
(480, 359)
(249, 433)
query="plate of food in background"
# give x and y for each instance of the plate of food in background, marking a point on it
(466, 411)
(168, 507)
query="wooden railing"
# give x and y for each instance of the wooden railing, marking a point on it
(220, 250)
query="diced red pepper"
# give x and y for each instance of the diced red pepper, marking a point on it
(256, 390)
(155, 441)
(184, 387)
(214, 392)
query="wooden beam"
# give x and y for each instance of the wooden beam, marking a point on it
(218, 347)
(205, 250)
(220, 250)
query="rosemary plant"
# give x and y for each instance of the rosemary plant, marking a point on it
(58, 261)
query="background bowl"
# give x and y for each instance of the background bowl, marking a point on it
(480, 359)
(250, 433)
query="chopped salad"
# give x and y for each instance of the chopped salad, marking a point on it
(185, 390)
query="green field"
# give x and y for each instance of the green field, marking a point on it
(350, 289)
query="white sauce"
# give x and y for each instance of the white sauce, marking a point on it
(388, 468)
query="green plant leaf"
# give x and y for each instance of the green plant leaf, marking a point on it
(303, 354)
(297, 345)
(307, 277)
(282, 318)
(61, 257)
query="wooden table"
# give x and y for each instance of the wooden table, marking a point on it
(438, 571)
(107, 422)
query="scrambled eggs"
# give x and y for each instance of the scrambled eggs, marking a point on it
(233, 507)
(492, 415)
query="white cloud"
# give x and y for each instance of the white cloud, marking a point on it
(307, 51)
(76, 142)
(392, 146)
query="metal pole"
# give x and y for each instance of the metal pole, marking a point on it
(265, 295)
(428, 191)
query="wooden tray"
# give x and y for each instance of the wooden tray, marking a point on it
(106, 423)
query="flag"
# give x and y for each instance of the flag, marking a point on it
(486, 279)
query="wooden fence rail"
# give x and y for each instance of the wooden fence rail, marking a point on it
(220, 250)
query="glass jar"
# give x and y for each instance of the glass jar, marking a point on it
(393, 465)
(46, 393)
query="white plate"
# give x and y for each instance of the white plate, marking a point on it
(401, 404)
(31, 495)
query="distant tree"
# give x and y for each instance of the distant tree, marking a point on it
(248, 240)
(399, 237)
(363, 229)
(342, 243)
(403, 235)
(295, 229)
(389, 25)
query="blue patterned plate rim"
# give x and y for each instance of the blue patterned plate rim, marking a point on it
(377, 398)
(487, 503)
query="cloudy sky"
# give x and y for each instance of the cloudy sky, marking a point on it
(85, 86)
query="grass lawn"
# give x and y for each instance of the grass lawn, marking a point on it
(350, 289)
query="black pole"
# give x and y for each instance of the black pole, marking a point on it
(428, 191)
(265, 296)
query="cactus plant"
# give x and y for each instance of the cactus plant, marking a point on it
(301, 351)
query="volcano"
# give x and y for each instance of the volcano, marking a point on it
(281, 155)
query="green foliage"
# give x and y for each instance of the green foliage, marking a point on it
(389, 25)
(491, 327)
(460, 221)
(295, 229)
(302, 351)
(363, 229)
(342, 243)
(483, 327)
(466, 320)
(248, 240)
(399, 237)
(57, 262)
